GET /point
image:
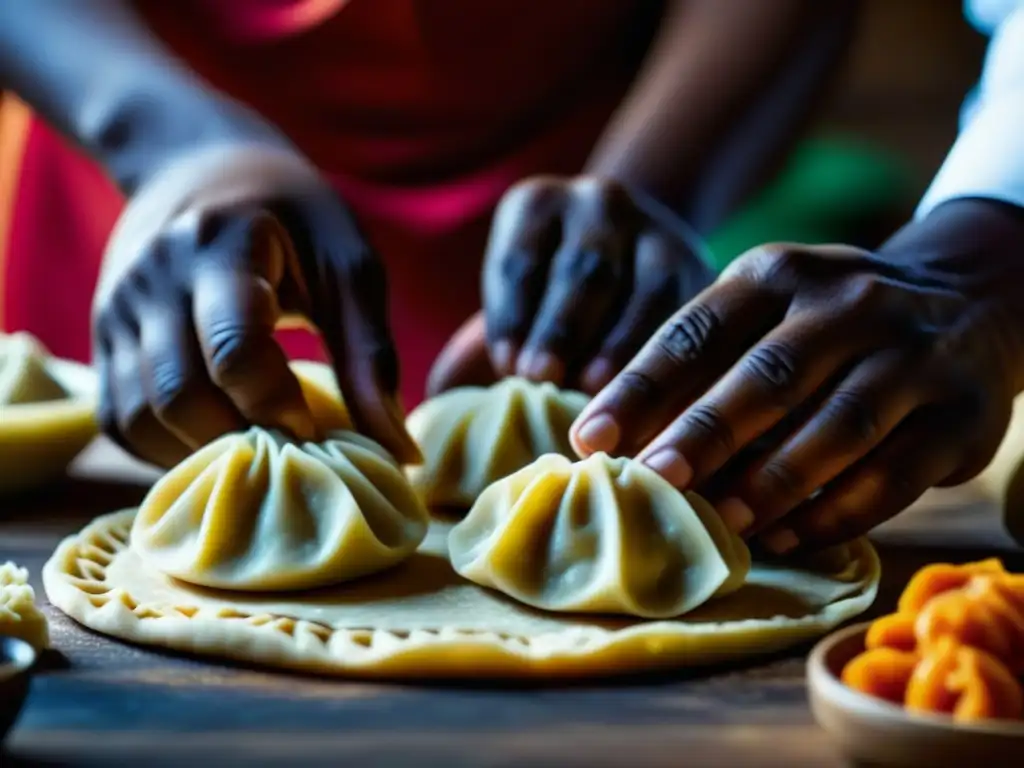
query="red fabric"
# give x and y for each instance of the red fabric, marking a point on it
(422, 112)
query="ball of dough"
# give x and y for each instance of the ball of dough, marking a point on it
(19, 615)
(257, 511)
(473, 436)
(603, 535)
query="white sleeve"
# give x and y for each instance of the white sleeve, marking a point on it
(987, 159)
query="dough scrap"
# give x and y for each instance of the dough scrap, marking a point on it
(47, 413)
(473, 436)
(256, 511)
(420, 619)
(20, 617)
(601, 535)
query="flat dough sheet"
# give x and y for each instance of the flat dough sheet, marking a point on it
(421, 619)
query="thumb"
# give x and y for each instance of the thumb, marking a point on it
(464, 361)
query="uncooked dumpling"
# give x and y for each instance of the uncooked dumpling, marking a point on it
(47, 412)
(257, 511)
(19, 615)
(603, 535)
(473, 436)
(24, 377)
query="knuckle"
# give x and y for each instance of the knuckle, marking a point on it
(774, 368)
(642, 387)
(853, 418)
(231, 350)
(780, 479)
(862, 292)
(769, 264)
(707, 425)
(689, 335)
(531, 197)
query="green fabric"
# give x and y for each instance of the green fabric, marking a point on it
(829, 188)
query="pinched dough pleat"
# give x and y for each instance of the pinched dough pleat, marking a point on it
(601, 535)
(473, 436)
(255, 511)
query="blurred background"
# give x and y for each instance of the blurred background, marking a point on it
(911, 66)
(883, 132)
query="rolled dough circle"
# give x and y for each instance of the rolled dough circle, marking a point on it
(420, 619)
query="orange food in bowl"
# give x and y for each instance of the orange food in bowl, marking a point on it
(983, 615)
(881, 672)
(965, 682)
(894, 631)
(937, 578)
(955, 644)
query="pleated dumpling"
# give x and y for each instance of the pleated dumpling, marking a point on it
(602, 535)
(473, 436)
(257, 511)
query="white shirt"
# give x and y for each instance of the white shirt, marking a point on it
(987, 159)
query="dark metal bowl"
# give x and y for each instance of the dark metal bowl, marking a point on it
(16, 660)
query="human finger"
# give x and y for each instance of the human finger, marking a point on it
(657, 277)
(235, 311)
(855, 417)
(523, 238)
(922, 452)
(777, 375)
(586, 284)
(176, 381)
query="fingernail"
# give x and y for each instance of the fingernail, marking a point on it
(599, 433)
(597, 375)
(736, 515)
(672, 465)
(503, 358)
(540, 366)
(780, 541)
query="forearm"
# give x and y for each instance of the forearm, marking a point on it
(97, 74)
(716, 67)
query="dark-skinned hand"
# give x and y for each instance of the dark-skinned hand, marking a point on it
(205, 260)
(815, 392)
(578, 274)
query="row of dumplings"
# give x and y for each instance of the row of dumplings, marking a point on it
(256, 511)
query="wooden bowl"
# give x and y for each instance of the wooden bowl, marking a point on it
(16, 660)
(871, 731)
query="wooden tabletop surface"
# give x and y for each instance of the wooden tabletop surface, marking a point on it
(99, 702)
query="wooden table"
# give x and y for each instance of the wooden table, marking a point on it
(104, 703)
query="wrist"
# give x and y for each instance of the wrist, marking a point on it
(974, 247)
(973, 238)
(135, 132)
